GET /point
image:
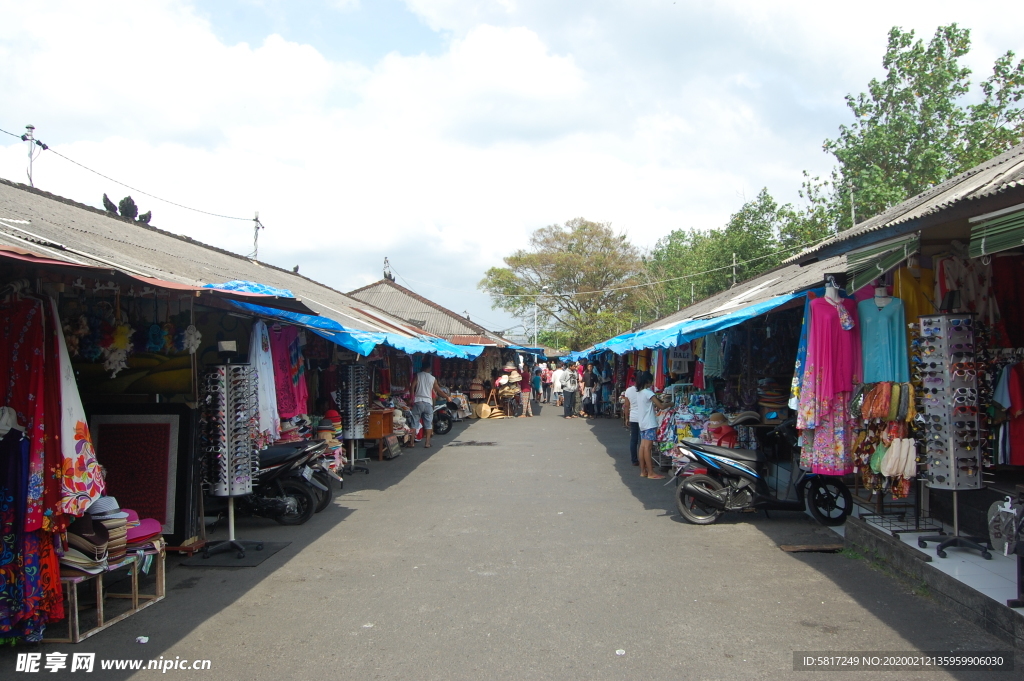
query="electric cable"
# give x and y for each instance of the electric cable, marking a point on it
(623, 288)
(127, 186)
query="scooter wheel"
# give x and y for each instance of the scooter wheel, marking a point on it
(829, 501)
(323, 497)
(305, 502)
(692, 509)
(442, 425)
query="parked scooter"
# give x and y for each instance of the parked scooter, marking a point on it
(713, 480)
(285, 488)
(444, 417)
(325, 471)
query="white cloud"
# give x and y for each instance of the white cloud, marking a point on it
(650, 115)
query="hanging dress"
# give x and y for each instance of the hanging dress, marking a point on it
(266, 393)
(832, 367)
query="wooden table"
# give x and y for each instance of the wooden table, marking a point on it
(382, 422)
(130, 562)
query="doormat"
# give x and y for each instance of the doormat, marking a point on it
(231, 559)
(812, 548)
(471, 443)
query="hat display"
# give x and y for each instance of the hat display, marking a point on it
(147, 530)
(90, 537)
(717, 420)
(76, 560)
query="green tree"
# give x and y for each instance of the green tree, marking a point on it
(582, 269)
(915, 128)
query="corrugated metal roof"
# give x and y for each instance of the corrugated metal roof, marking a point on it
(996, 175)
(780, 281)
(422, 312)
(48, 222)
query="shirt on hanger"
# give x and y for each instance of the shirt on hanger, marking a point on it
(883, 341)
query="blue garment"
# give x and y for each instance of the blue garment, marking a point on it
(883, 338)
(536, 384)
(801, 358)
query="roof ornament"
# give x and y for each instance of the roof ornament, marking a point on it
(387, 270)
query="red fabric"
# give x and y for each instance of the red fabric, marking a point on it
(54, 519)
(1008, 288)
(23, 370)
(136, 457)
(289, 368)
(698, 375)
(1016, 414)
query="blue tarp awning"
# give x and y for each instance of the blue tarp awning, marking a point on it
(363, 342)
(691, 329)
(252, 287)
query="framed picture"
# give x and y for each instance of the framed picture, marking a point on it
(140, 455)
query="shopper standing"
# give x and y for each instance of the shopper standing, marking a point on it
(570, 389)
(537, 382)
(589, 385)
(632, 414)
(556, 383)
(526, 397)
(423, 387)
(545, 379)
(647, 402)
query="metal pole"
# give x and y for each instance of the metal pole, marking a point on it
(733, 269)
(535, 322)
(853, 214)
(29, 130)
(692, 298)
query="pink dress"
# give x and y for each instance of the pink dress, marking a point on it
(833, 367)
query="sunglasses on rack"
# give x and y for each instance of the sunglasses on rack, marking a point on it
(963, 410)
(961, 322)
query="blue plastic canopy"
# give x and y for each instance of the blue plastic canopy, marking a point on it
(252, 287)
(691, 329)
(363, 342)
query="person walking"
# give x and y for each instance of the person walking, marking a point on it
(556, 383)
(545, 379)
(632, 414)
(526, 397)
(537, 382)
(570, 389)
(647, 401)
(589, 391)
(422, 388)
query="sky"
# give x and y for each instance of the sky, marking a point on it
(441, 133)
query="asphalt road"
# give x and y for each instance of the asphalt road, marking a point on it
(535, 557)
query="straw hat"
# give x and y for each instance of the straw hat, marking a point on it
(717, 420)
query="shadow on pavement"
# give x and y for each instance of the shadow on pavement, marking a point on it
(195, 594)
(883, 595)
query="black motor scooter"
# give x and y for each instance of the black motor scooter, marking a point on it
(285, 489)
(713, 480)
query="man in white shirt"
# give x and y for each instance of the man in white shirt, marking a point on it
(632, 414)
(556, 383)
(423, 386)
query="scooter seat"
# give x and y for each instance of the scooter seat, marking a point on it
(276, 454)
(750, 455)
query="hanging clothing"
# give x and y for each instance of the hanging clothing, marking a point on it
(1008, 289)
(1015, 414)
(289, 370)
(883, 337)
(22, 371)
(262, 362)
(833, 354)
(916, 292)
(714, 359)
(82, 482)
(832, 367)
(973, 278)
(801, 356)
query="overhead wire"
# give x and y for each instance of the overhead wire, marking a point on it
(631, 286)
(127, 186)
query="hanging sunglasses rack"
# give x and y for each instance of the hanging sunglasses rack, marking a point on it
(951, 405)
(229, 427)
(355, 407)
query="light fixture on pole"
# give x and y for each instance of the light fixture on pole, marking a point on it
(535, 299)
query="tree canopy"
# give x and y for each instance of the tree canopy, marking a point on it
(583, 272)
(918, 127)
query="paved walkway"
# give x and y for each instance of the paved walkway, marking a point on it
(537, 557)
